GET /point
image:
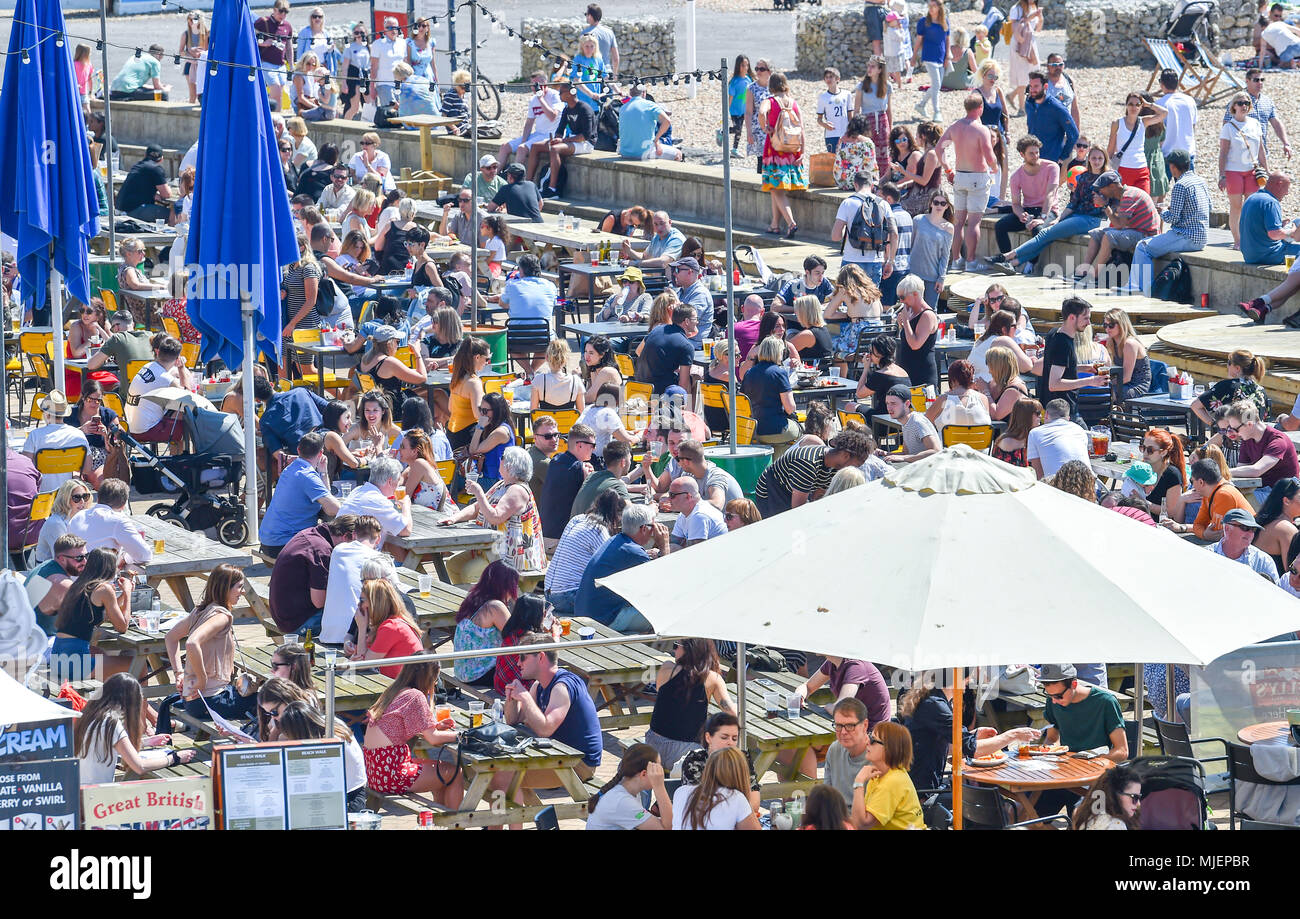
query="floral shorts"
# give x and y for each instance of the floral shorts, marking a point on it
(851, 331)
(391, 770)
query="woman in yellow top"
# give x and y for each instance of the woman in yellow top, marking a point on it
(884, 797)
(466, 390)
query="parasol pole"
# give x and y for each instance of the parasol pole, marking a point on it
(731, 288)
(1139, 701)
(56, 320)
(473, 168)
(740, 692)
(250, 415)
(108, 134)
(958, 718)
(1170, 708)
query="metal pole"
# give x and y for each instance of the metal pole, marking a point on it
(56, 320)
(108, 132)
(690, 54)
(730, 270)
(1170, 709)
(958, 719)
(473, 166)
(4, 440)
(250, 416)
(329, 691)
(1139, 700)
(740, 692)
(451, 32)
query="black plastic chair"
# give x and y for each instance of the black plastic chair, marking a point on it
(546, 819)
(984, 808)
(527, 337)
(1125, 426)
(1174, 741)
(1241, 768)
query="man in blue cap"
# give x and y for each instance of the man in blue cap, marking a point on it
(1239, 530)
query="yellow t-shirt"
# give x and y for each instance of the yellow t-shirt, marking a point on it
(892, 800)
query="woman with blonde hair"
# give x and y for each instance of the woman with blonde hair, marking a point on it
(961, 62)
(304, 91)
(1127, 353)
(1006, 387)
(771, 397)
(1241, 151)
(813, 341)
(721, 800)
(194, 41)
(389, 372)
(373, 161)
(355, 217)
(740, 512)
(73, 497)
(855, 304)
(558, 390)
(384, 627)
(303, 152)
(1075, 477)
(466, 390)
(422, 481)
(844, 479)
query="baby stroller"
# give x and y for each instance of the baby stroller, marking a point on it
(1173, 793)
(205, 483)
(1190, 23)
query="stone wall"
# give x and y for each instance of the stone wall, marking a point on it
(1110, 32)
(645, 46)
(838, 37)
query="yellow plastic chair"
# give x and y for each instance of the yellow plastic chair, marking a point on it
(309, 378)
(565, 420)
(635, 390)
(35, 414)
(745, 428)
(55, 462)
(110, 303)
(49, 351)
(626, 365)
(113, 401)
(846, 417)
(365, 312)
(406, 354)
(306, 336)
(41, 507)
(975, 436)
(41, 370)
(446, 470)
(190, 351)
(918, 399)
(496, 385)
(170, 326)
(742, 405)
(132, 369)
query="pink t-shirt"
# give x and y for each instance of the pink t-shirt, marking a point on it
(408, 715)
(84, 70)
(1135, 513)
(1032, 191)
(394, 638)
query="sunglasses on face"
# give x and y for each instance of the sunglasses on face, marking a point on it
(875, 741)
(1149, 450)
(276, 665)
(319, 16)
(675, 494)
(367, 143)
(1136, 798)
(585, 443)
(75, 558)
(760, 70)
(552, 436)
(841, 726)
(1259, 80)
(1057, 696)
(81, 498)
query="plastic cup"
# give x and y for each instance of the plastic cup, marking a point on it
(1290, 260)
(153, 619)
(476, 714)
(159, 546)
(586, 633)
(793, 706)
(400, 493)
(442, 713)
(426, 584)
(565, 626)
(772, 703)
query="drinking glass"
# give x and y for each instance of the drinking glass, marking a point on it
(476, 714)
(159, 546)
(1134, 449)
(426, 584)
(793, 705)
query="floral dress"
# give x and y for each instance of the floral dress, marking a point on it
(175, 309)
(520, 545)
(781, 171)
(755, 147)
(856, 156)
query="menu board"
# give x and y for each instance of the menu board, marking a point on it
(39, 779)
(292, 785)
(153, 804)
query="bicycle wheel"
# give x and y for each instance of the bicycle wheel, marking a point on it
(488, 101)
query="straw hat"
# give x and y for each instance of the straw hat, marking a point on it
(56, 405)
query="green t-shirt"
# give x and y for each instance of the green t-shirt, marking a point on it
(135, 73)
(485, 190)
(596, 484)
(1087, 723)
(124, 347)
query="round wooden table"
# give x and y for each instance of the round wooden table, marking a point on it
(1265, 730)
(1025, 785)
(1042, 296)
(1217, 336)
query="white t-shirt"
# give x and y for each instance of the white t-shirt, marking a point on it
(1056, 443)
(604, 421)
(835, 108)
(358, 167)
(55, 436)
(1134, 156)
(496, 250)
(344, 590)
(542, 122)
(1278, 36)
(726, 815)
(1245, 141)
(618, 809)
(704, 522)
(96, 771)
(1180, 123)
(384, 54)
(370, 500)
(847, 210)
(146, 414)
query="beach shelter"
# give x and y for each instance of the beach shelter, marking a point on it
(241, 231)
(903, 572)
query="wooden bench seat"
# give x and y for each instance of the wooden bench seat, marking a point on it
(410, 805)
(258, 596)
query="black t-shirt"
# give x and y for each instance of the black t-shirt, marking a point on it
(521, 200)
(563, 480)
(140, 186)
(1168, 479)
(666, 349)
(879, 384)
(1059, 352)
(931, 727)
(315, 179)
(577, 119)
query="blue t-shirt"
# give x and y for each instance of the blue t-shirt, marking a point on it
(1261, 213)
(666, 349)
(638, 122)
(492, 459)
(585, 75)
(293, 503)
(580, 728)
(764, 383)
(698, 297)
(529, 298)
(601, 603)
(934, 40)
(670, 245)
(738, 90)
(288, 416)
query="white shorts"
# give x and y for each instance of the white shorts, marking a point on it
(667, 152)
(581, 147)
(970, 192)
(520, 144)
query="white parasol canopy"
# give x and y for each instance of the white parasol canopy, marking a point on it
(960, 560)
(174, 398)
(19, 704)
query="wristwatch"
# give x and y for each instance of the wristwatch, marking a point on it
(857, 785)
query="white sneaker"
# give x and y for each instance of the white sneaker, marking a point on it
(959, 264)
(977, 265)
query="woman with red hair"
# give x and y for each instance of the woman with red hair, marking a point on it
(1164, 451)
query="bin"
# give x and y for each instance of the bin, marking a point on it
(495, 336)
(746, 464)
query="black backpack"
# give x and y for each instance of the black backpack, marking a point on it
(1174, 282)
(453, 288)
(607, 124)
(869, 230)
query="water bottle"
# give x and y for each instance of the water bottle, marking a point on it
(562, 221)
(117, 162)
(499, 712)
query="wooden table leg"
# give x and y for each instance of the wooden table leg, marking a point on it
(179, 587)
(440, 566)
(426, 148)
(478, 787)
(572, 784)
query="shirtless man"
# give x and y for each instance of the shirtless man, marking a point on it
(973, 145)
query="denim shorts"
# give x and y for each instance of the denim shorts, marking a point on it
(875, 16)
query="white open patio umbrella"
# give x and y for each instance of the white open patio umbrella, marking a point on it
(911, 572)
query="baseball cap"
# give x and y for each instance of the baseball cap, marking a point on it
(1142, 473)
(891, 16)
(486, 160)
(1056, 673)
(1110, 177)
(385, 333)
(899, 391)
(1242, 518)
(515, 169)
(153, 152)
(688, 262)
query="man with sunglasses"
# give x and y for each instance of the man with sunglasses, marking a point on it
(697, 520)
(546, 439)
(386, 52)
(1082, 717)
(1262, 450)
(275, 46)
(563, 481)
(334, 199)
(487, 182)
(48, 582)
(1061, 86)
(1239, 531)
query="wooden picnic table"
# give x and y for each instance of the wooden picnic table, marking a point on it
(1263, 732)
(548, 234)
(615, 674)
(430, 542)
(1025, 780)
(354, 691)
(426, 123)
(185, 555)
(147, 651)
(436, 612)
(481, 770)
(1115, 472)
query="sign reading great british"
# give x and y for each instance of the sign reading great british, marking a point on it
(155, 804)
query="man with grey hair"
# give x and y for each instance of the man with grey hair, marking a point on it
(376, 498)
(697, 519)
(626, 550)
(1055, 443)
(665, 245)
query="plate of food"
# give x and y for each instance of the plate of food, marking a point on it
(1044, 749)
(987, 761)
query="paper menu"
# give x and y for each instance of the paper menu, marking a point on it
(226, 725)
(283, 785)
(314, 784)
(253, 785)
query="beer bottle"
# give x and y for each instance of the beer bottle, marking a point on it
(310, 647)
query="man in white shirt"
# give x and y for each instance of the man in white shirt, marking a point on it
(343, 590)
(877, 263)
(544, 108)
(386, 52)
(107, 525)
(146, 420)
(1054, 444)
(699, 519)
(1281, 38)
(336, 197)
(375, 498)
(1180, 123)
(55, 434)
